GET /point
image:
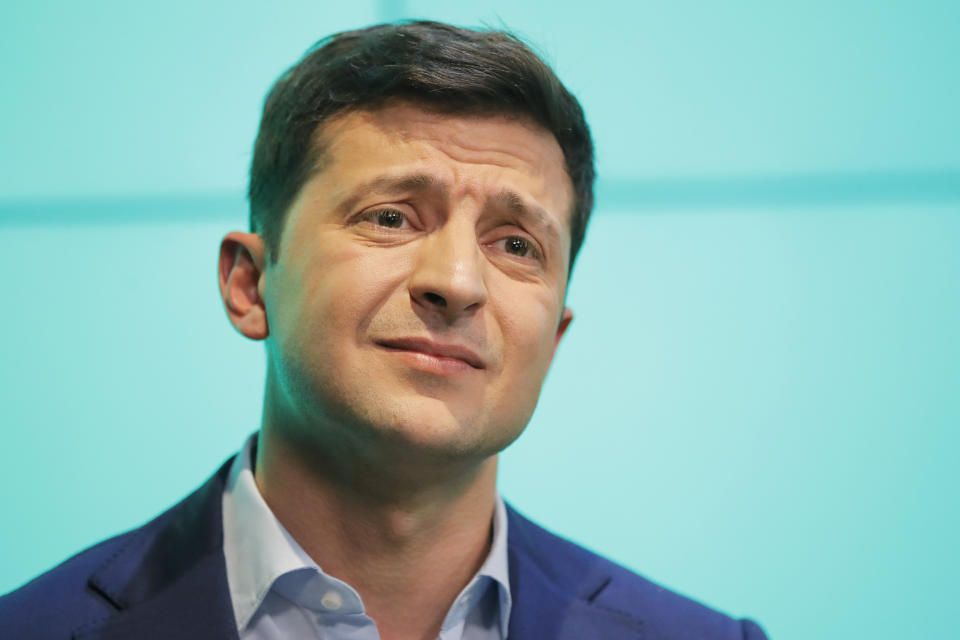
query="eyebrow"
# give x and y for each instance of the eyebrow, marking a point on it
(535, 215)
(507, 199)
(389, 184)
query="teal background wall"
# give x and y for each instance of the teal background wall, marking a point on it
(759, 399)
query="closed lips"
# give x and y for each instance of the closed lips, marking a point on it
(436, 349)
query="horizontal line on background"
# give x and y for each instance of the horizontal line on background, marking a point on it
(788, 190)
(635, 195)
(133, 209)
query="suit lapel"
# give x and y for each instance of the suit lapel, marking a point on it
(554, 588)
(170, 580)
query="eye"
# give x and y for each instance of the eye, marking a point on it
(517, 246)
(388, 218)
(520, 247)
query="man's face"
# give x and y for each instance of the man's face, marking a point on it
(418, 292)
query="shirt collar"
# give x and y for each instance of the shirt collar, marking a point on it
(258, 549)
(496, 566)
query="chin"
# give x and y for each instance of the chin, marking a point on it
(437, 429)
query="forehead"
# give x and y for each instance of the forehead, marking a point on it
(493, 154)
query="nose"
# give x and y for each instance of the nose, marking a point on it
(448, 277)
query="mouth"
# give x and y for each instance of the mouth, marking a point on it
(441, 353)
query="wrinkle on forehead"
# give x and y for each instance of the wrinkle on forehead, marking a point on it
(504, 162)
(458, 136)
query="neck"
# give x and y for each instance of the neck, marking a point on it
(408, 543)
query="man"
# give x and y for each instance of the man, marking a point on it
(418, 195)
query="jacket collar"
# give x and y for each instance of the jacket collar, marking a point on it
(169, 579)
(556, 586)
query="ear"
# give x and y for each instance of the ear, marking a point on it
(565, 319)
(241, 270)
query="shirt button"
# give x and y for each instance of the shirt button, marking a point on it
(331, 600)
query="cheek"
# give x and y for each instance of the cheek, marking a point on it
(370, 295)
(529, 335)
(342, 297)
(528, 339)
(345, 285)
(320, 311)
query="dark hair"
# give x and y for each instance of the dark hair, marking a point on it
(442, 67)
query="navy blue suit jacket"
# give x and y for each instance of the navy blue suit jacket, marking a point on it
(167, 580)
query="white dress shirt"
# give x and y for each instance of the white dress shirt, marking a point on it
(278, 591)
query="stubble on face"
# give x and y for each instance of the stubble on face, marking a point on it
(340, 288)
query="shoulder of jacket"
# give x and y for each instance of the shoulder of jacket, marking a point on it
(56, 601)
(53, 603)
(591, 577)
